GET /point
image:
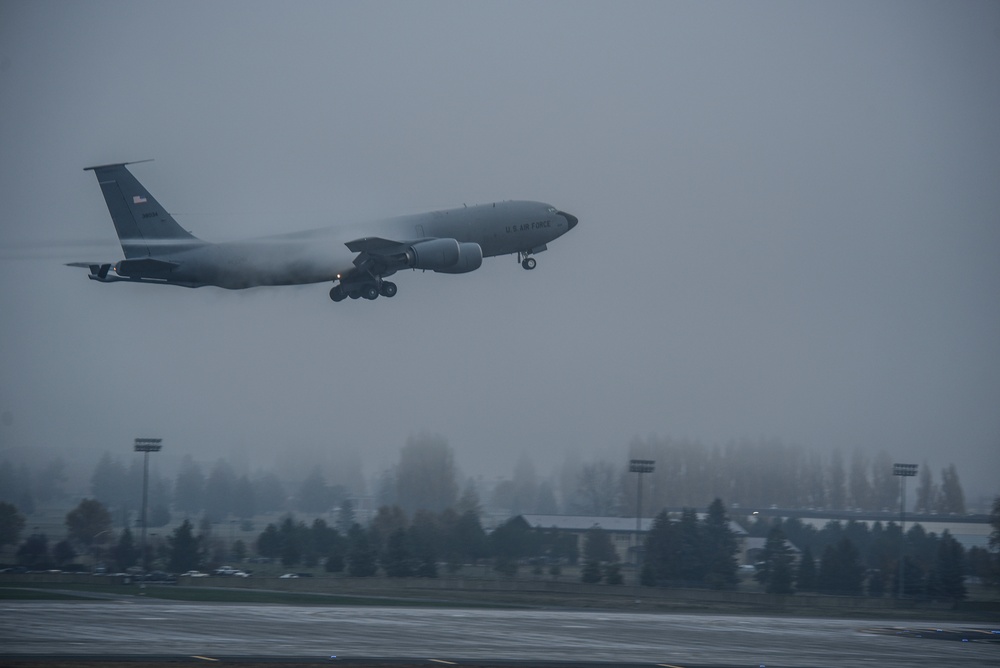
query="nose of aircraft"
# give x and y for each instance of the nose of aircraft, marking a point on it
(571, 220)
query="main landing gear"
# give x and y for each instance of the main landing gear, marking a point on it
(339, 293)
(527, 261)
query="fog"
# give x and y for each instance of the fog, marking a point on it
(789, 228)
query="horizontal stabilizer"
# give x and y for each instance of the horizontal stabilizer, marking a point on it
(98, 270)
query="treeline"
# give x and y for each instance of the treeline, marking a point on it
(855, 559)
(691, 553)
(769, 473)
(749, 474)
(393, 543)
(841, 558)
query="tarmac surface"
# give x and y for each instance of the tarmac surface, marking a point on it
(150, 631)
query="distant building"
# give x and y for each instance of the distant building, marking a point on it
(622, 531)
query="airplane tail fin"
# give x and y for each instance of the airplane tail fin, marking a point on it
(144, 227)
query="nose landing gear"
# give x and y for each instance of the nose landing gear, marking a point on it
(527, 261)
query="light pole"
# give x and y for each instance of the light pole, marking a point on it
(904, 471)
(639, 466)
(145, 446)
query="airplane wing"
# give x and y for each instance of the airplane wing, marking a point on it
(376, 246)
(441, 254)
(378, 257)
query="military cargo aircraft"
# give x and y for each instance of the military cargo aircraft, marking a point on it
(356, 258)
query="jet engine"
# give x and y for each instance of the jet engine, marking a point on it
(447, 256)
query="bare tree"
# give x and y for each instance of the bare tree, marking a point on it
(598, 490)
(426, 478)
(952, 499)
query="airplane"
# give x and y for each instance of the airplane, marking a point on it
(357, 258)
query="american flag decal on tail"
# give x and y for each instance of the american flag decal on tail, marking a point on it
(138, 199)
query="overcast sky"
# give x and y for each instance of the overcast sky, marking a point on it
(789, 226)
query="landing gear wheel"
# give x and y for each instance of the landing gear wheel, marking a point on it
(336, 294)
(354, 294)
(369, 292)
(388, 289)
(529, 263)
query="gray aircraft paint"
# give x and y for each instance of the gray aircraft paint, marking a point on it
(159, 250)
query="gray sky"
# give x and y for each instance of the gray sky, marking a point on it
(789, 226)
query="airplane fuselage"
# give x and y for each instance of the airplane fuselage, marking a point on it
(356, 258)
(318, 256)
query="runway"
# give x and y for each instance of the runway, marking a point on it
(165, 629)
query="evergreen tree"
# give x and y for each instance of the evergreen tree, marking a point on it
(397, 561)
(322, 537)
(591, 572)
(185, 550)
(89, 524)
(913, 578)
(470, 537)
(613, 574)
(125, 554)
(514, 539)
(947, 577)
(692, 551)
(661, 560)
(360, 556)
(293, 542)
(269, 542)
(805, 579)
(876, 583)
(239, 550)
(597, 546)
(34, 552)
(387, 520)
(841, 570)
(11, 524)
(775, 569)
(63, 553)
(721, 548)
(426, 538)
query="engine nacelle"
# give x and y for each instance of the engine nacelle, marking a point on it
(446, 256)
(433, 254)
(470, 258)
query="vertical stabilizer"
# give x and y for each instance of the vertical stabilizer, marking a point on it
(144, 227)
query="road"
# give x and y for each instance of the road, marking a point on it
(163, 628)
